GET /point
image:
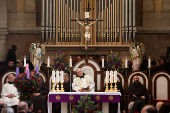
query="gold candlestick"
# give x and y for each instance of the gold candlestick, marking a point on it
(115, 90)
(111, 87)
(62, 89)
(107, 90)
(58, 90)
(53, 87)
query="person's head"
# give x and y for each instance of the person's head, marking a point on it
(137, 106)
(162, 61)
(129, 64)
(79, 72)
(7, 110)
(22, 107)
(158, 105)
(136, 79)
(66, 77)
(2, 104)
(14, 47)
(162, 57)
(30, 106)
(11, 77)
(78, 58)
(145, 58)
(165, 108)
(130, 105)
(149, 109)
(10, 63)
(157, 63)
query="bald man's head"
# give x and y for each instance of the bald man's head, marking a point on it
(22, 107)
(149, 109)
(158, 105)
(2, 104)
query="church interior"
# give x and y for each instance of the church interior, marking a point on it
(103, 38)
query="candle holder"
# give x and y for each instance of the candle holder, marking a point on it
(58, 90)
(62, 89)
(48, 74)
(111, 87)
(107, 90)
(115, 90)
(126, 68)
(149, 68)
(53, 87)
(24, 69)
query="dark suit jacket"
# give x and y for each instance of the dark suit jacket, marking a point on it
(29, 112)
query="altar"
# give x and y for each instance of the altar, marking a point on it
(65, 97)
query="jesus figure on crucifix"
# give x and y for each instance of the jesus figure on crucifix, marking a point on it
(87, 28)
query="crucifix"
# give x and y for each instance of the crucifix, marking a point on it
(87, 27)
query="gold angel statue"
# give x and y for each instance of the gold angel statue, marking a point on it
(37, 52)
(136, 52)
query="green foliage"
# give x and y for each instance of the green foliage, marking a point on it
(85, 105)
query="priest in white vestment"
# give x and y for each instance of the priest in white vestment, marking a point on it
(9, 93)
(83, 83)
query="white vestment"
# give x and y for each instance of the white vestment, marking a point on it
(10, 89)
(79, 83)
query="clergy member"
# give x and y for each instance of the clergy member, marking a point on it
(66, 85)
(83, 83)
(9, 93)
(137, 90)
(113, 106)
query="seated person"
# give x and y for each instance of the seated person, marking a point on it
(9, 66)
(2, 105)
(113, 106)
(66, 85)
(83, 83)
(10, 94)
(7, 110)
(20, 66)
(39, 101)
(137, 90)
(30, 107)
(22, 107)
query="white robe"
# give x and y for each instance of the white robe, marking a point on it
(79, 83)
(10, 89)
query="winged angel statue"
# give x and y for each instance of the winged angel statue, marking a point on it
(136, 52)
(37, 52)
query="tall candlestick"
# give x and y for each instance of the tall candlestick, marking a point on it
(102, 61)
(24, 60)
(115, 76)
(70, 61)
(111, 76)
(53, 76)
(17, 72)
(149, 62)
(26, 68)
(28, 75)
(61, 76)
(107, 76)
(48, 61)
(126, 62)
(37, 71)
(57, 76)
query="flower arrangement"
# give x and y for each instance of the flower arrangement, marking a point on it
(27, 87)
(85, 105)
(60, 62)
(114, 62)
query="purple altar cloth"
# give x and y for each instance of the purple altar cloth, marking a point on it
(75, 96)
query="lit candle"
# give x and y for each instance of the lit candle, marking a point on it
(61, 76)
(126, 62)
(24, 60)
(53, 76)
(26, 68)
(149, 62)
(28, 71)
(107, 76)
(102, 61)
(70, 61)
(37, 70)
(57, 76)
(48, 61)
(111, 76)
(115, 76)
(17, 72)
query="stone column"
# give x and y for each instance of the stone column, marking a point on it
(3, 29)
